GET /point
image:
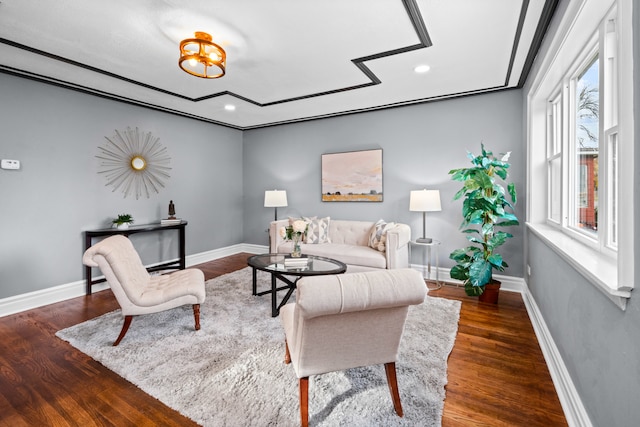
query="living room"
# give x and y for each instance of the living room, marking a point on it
(217, 181)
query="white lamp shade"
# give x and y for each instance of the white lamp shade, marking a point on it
(275, 198)
(425, 201)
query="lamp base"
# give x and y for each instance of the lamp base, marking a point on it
(424, 240)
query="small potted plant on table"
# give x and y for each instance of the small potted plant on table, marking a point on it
(122, 221)
(484, 208)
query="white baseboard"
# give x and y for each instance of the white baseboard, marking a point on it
(35, 299)
(509, 283)
(22, 302)
(570, 400)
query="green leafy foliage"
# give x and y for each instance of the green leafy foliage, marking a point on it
(123, 219)
(486, 205)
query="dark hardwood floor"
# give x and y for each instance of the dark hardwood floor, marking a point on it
(497, 374)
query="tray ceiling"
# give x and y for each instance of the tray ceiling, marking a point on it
(287, 60)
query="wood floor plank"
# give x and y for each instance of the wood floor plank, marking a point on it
(497, 375)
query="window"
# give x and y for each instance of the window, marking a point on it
(586, 112)
(575, 138)
(554, 160)
(576, 199)
(585, 164)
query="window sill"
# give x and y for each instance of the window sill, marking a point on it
(599, 270)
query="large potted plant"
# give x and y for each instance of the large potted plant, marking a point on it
(484, 208)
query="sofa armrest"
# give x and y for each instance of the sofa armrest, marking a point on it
(397, 246)
(275, 239)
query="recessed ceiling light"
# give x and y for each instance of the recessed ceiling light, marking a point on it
(230, 107)
(421, 69)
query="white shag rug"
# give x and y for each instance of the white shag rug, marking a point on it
(231, 372)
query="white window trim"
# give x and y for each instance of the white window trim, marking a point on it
(599, 270)
(613, 277)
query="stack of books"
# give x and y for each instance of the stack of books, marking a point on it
(296, 262)
(170, 221)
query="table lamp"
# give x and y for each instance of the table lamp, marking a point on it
(424, 201)
(275, 199)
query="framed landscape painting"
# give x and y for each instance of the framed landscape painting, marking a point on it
(354, 176)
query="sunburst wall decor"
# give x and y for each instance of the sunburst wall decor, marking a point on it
(134, 162)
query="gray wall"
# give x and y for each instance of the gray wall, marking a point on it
(55, 133)
(598, 342)
(420, 145)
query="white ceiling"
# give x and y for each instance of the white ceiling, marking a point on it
(287, 60)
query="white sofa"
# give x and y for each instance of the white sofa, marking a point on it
(349, 243)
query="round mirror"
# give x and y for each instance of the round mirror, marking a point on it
(138, 163)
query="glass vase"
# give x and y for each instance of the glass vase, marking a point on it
(296, 252)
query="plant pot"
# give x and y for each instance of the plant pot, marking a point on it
(122, 226)
(491, 292)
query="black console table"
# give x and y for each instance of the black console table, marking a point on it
(178, 264)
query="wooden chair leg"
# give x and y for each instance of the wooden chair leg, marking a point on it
(287, 355)
(392, 380)
(196, 315)
(304, 402)
(125, 328)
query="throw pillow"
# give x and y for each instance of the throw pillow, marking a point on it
(378, 235)
(307, 219)
(318, 231)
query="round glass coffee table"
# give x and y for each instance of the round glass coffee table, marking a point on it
(280, 266)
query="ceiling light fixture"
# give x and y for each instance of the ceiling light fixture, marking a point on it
(421, 69)
(230, 107)
(201, 57)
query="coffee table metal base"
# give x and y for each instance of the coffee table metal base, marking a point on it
(290, 287)
(275, 265)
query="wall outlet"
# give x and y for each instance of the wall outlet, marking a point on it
(10, 164)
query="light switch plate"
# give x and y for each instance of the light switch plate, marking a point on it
(10, 164)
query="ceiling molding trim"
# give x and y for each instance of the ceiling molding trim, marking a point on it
(516, 40)
(118, 98)
(86, 67)
(384, 107)
(418, 24)
(107, 95)
(423, 36)
(546, 16)
(410, 6)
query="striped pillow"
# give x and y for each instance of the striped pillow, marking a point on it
(378, 235)
(318, 231)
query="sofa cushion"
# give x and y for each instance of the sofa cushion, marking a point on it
(350, 232)
(378, 236)
(318, 231)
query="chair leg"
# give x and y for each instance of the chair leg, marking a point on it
(392, 380)
(196, 315)
(304, 402)
(125, 328)
(287, 355)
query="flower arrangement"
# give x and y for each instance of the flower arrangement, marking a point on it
(297, 228)
(295, 232)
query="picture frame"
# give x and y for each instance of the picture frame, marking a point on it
(352, 176)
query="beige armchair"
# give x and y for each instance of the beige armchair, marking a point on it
(136, 291)
(346, 321)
